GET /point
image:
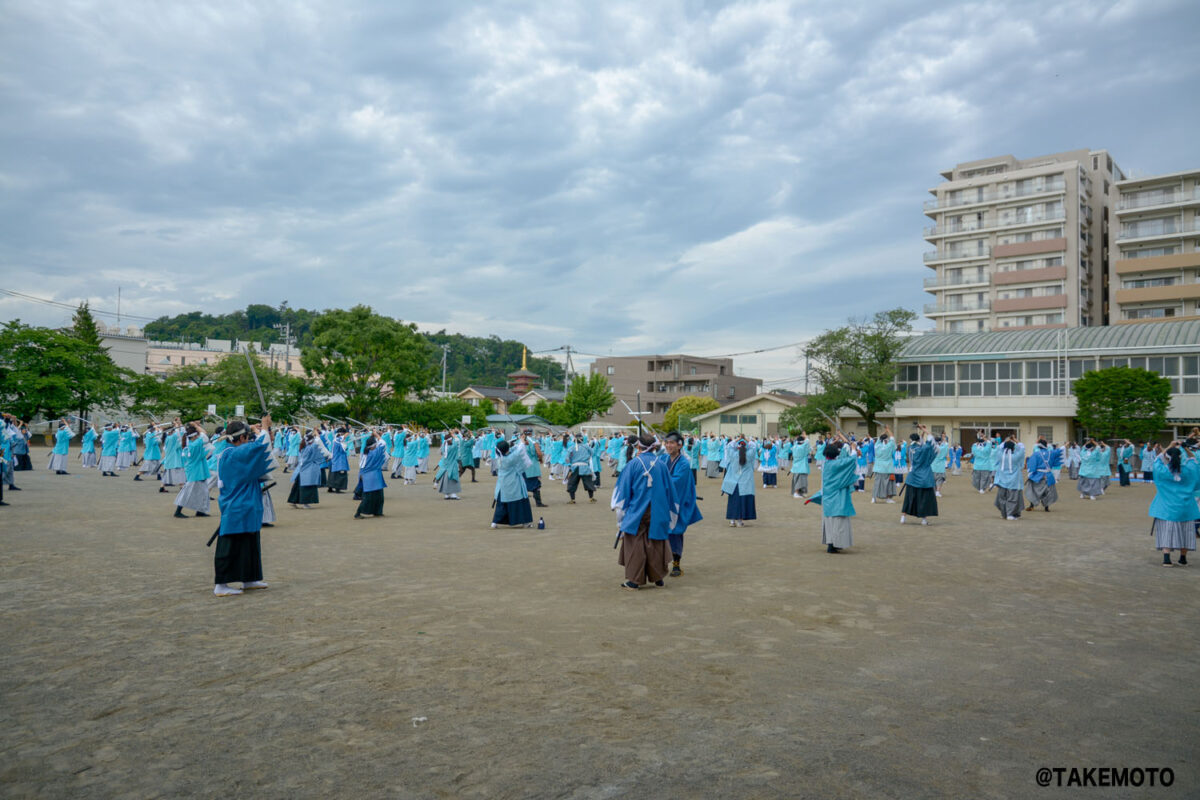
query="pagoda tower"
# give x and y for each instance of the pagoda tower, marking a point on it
(522, 380)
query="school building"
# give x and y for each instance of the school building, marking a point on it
(1022, 381)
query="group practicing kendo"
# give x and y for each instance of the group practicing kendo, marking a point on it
(655, 495)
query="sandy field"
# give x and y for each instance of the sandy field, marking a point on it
(424, 655)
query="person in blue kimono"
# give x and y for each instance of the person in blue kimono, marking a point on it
(1146, 457)
(194, 494)
(578, 459)
(61, 451)
(983, 463)
(920, 497)
(173, 473)
(240, 471)
(152, 457)
(684, 479)
(423, 447)
(768, 464)
(466, 455)
(837, 483)
(693, 449)
(1093, 469)
(307, 477)
(279, 450)
(801, 450)
(412, 457)
(1008, 461)
(647, 510)
(510, 498)
(1124, 461)
(293, 450)
(339, 463)
(126, 447)
(941, 463)
(739, 483)
(533, 472)
(884, 486)
(956, 454)
(446, 475)
(88, 455)
(19, 437)
(1040, 481)
(370, 471)
(1173, 510)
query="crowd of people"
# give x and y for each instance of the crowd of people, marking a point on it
(655, 494)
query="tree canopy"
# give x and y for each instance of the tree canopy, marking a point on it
(100, 382)
(40, 370)
(587, 397)
(364, 356)
(856, 366)
(1122, 402)
(688, 407)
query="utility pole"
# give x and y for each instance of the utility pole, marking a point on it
(286, 327)
(568, 368)
(445, 350)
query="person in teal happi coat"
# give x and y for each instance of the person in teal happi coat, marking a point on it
(837, 485)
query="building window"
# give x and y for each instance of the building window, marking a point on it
(649, 386)
(1039, 378)
(927, 380)
(610, 370)
(1191, 374)
(729, 419)
(649, 366)
(1149, 313)
(1046, 432)
(693, 371)
(732, 392)
(750, 419)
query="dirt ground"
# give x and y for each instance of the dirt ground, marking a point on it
(424, 655)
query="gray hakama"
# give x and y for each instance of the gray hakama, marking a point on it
(1008, 501)
(268, 508)
(981, 479)
(1091, 487)
(1174, 535)
(869, 473)
(174, 477)
(90, 460)
(125, 460)
(410, 473)
(423, 465)
(836, 531)
(150, 467)
(1043, 494)
(292, 461)
(448, 483)
(799, 483)
(882, 488)
(939, 478)
(109, 464)
(1073, 472)
(58, 462)
(712, 469)
(194, 495)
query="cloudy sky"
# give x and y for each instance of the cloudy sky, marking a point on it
(621, 176)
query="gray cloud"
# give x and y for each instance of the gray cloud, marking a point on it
(685, 176)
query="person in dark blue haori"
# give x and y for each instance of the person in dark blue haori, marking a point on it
(240, 470)
(647, 511)
(307, 477)
(339, 468)
(370, 475)
(679, 466)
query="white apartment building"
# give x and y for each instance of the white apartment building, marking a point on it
(1021, 243)
(1156, 264)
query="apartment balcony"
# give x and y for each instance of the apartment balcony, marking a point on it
(1163, 200)
(1170, 228)
(935, 256)
(1158, 294)
(1053, 187)
(935, 231)
(1031, 248)
(1042, 303)
(1029, 275)
(942, 283)
(940, 309)
(1178, 261)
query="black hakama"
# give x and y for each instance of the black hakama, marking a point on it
(372, 504)
(920, 501)
(238, 558)
(303, 495)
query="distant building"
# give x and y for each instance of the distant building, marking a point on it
(663, 379)
(754, 416)
(522, 380)
(126, 351)
(533, 396)
(1156, 263)
(1021, 243)
(500, 396)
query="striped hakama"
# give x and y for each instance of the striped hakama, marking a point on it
(883, 487)
(1043, 494)
(268, 517)
(150, 467)
(58, 462)
(1073, 472)
(1092, 487)
(194, 495)
(1008, 501)
(109, 464)
(90, 460)
(125, 460)
(448, 483)
(799, 483)
(981, 479)
(174, 477)
(836, 531)
(1174, 535)
(712, 469)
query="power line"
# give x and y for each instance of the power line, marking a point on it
(44, 301)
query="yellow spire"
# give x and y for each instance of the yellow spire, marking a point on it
(523, 357)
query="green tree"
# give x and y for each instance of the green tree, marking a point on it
(1122, 402)
(554, 413)
(803, 417)
(101, 383)
(362, 356)
(856, 365)
(587, 397)
(689, 406)
(39, 369)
